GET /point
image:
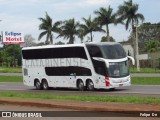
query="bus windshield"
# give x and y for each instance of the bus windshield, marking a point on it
(118, 69)
(113, 51)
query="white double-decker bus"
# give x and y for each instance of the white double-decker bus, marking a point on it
(83, 66)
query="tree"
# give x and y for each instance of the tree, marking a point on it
(48, 27)
(105, 16)
(147, 32)
(81, 34)
(128, 13)
(69, 30)
(152, 46)
(104, 39)
(90, 25)
(9, 54)
(59, 43)
(29, 41)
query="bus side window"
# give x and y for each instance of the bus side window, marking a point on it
(94, 51)
(100, 67)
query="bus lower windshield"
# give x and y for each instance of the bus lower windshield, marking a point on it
(118, 69)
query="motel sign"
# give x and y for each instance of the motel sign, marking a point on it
(13, 38)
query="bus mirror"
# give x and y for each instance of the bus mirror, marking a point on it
(96, 58)
(107, 64)
(132, 59)
(103, 60)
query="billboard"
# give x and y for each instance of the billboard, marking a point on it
(13, 37)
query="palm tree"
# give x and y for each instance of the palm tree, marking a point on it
(89, 26)
(81, 34)
(128, 12)
(68, 30)
(48, 28)
(105, 16)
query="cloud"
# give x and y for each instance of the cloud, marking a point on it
(23, 16)
(21, 2)
(119, 33)
(68, 5)
(96, 2)
(19, 24)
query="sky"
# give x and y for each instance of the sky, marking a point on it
(22, 16)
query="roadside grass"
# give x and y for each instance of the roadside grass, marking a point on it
(145, 70)
(119, 99)
(134, 80)
(145, 80)
(11, 79)
(10, 70)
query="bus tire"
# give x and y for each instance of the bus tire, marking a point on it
(80, 85)
(38, 85)
(45, 85)
(112, 89)
(90, 85)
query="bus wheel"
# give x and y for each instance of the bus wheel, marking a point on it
(38, 85)
(45, 85)
(80, 85)
(90, 85)
(112, 89)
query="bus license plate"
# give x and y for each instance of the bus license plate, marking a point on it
(120, 84)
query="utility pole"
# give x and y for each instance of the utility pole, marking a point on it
(137, 50)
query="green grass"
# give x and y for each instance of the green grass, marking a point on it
(145, 80)
(11, 79)
(145, 70)
(119, 99)
(10, 70)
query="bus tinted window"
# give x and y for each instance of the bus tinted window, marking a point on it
(47, 53)
(99, 67)
(113, 51)
(94, 51)
(67, 71)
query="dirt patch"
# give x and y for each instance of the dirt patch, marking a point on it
(80, 105)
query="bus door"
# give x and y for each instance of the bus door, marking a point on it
(101, 70)
(72, 78)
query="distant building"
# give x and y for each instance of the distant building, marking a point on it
(128, 48)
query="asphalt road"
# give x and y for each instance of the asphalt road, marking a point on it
(134, 89)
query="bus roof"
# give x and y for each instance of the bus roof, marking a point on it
(70, 45)
(53, 46)
(102, 43)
